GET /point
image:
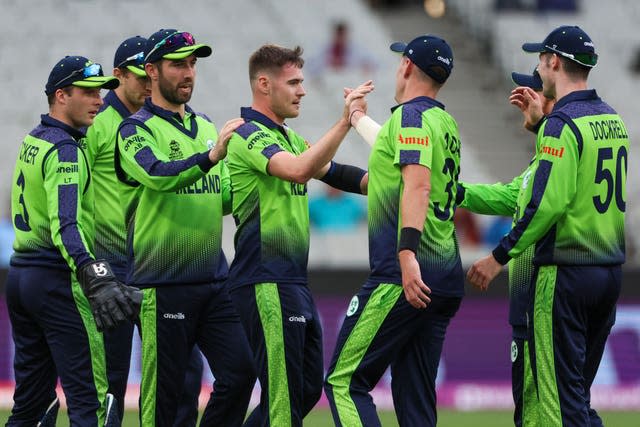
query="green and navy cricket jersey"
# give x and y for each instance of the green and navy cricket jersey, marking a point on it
(176, 198)
(575, 206)
(271, 214)
(508, 200)
(419, 132)
(110, 230)
(51, 205)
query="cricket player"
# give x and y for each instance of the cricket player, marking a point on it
(413, 175)
(270, 165)
(110, 230)
(170, 157)
(575, 218)
(510, 200)
(60, 296)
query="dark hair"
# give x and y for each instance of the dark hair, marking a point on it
(51, 98)
(573, 69)
(271, 58)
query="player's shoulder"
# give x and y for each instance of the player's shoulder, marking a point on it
(251, 130)
(51, 134)
(411, 114)
(203, 117)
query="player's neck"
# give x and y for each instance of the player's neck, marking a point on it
(132, 108)
(56, 113)
(415, 89)
(161, 101)
(264, 109)
(565, 87)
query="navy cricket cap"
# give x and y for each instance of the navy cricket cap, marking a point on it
(174, 44)
(570, 42)
(529, 80)
(130, 55)
(428, 51)
(78, 71)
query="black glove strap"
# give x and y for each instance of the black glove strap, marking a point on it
(98, 269)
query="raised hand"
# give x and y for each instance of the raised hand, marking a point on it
(354, 99)
(530, 104)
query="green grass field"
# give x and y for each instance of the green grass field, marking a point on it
(322, 418)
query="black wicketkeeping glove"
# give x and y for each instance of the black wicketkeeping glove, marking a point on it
(111, 302)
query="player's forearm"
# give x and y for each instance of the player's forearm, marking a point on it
(366, 127)
(165, 176)
(414, 202)
(489, 199)
(309, 163)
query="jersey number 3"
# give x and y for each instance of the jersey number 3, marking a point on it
(21, 220)
(615, 185)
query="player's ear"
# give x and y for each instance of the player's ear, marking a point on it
(263, 84)
(152, 70)
(407, 67)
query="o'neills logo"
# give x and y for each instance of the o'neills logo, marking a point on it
(174, 316)
(555, 152)
(414, 140)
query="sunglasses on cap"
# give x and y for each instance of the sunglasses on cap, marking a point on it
(586, 59)
(137, 59)
(179, 38)
(91, 70)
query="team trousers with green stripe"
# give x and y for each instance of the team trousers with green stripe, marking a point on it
(380, 330)
(55, 337)
(573, 311)
(283, 327)
(172, 320)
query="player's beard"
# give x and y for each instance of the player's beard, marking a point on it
(171, 93)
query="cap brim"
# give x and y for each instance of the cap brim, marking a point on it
(105, 82)
(526, 80)
(398, 47)
(533, 47)
(138, 71)
(199, 50)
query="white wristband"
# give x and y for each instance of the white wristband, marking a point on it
(368, 129)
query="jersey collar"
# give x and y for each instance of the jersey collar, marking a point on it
(111, 99)
(174, 118)
(47, 120)
(249, 114)
(418, 99)
(578, 95)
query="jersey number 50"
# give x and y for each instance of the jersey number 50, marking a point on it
(614, 185)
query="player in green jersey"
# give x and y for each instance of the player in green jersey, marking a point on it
(171, 159)
(509, 200)
(110, 230)
(270, 165)
(574, 216)
(413, 173)
(55, 282)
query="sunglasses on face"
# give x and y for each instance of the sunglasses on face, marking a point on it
(92, 70)
(175, 39)
(137, 59)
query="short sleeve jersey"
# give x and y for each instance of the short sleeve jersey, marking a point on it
(110, 230)
(176, 198)
(51, 205)
(508, 199)
(575, 204)
(271, 214)
(418, 132)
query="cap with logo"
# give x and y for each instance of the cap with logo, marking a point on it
(567, 41)
(78, 71)
(130, 55)
(427, 52)
(174, 44)
(532, 80)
